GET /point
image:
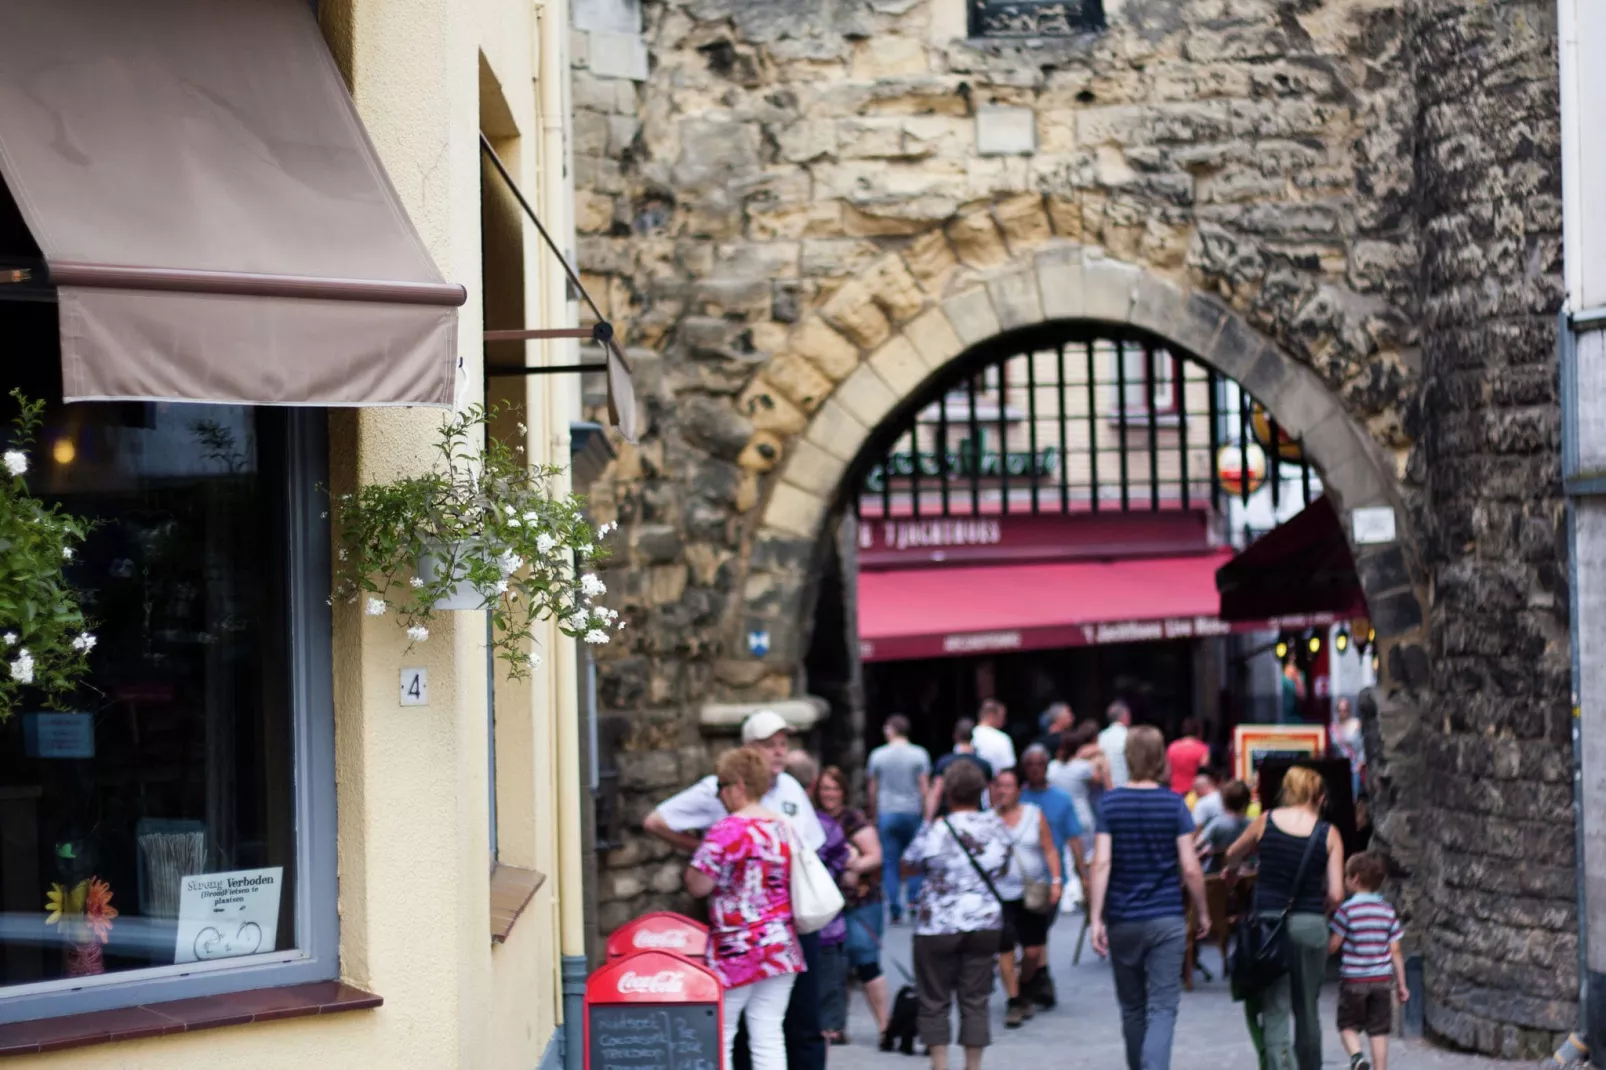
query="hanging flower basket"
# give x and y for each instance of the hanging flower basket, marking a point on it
(44, 641)
(481, 531)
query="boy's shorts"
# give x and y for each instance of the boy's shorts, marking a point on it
(1366, 1007)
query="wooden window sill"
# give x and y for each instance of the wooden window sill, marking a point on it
(512, 889)
(182, 1016)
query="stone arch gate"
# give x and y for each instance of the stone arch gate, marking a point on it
(881, 341)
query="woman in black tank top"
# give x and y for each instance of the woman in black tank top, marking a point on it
(1281, 838)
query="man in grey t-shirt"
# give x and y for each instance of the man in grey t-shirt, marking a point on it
(898, 774)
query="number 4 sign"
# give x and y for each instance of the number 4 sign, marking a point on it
(415, 687)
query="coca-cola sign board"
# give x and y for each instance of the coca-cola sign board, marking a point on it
(660, 931)
(653, 1010)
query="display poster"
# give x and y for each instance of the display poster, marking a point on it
(1253, 744)
(226, 915)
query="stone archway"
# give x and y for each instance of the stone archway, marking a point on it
(883, 335)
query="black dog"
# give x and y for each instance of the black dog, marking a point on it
(904, 1022)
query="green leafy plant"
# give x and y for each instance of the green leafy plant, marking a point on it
(482, 520)
(44, 641)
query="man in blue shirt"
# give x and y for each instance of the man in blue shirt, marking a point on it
(1060, 813)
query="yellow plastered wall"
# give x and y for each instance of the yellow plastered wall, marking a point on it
(412, 784)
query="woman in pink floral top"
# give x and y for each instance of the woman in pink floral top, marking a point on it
(744, 868)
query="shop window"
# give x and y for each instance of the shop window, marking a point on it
(1035, 18)
(187, 785)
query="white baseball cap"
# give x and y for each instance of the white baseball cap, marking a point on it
(762, 725)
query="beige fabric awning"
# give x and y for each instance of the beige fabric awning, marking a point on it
(217, 224)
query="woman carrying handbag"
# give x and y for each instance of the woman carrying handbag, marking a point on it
(959, 916)
(1301, 878)
(1030, 891)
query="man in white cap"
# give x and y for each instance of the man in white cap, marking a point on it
(681, 820)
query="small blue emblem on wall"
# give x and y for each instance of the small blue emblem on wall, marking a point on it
(758, 643)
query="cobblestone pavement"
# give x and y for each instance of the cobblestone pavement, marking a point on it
(1085, 1029)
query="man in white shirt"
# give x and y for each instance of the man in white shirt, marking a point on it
(1112, 741)
(992, 743)
(681, 820)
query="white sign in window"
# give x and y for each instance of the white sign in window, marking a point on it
(226, 915)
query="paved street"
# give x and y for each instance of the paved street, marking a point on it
(1085, 1029)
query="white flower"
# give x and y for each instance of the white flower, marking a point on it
(535, 661)
(596, 635)
(66, 553)
(22, 667)
(501, 586)
(592, 586)
(532, 516)
(509, 563)
(619, 627)
(514, 522)
(376, 607)
(342, 553)
(545, 543)
(605, 528)
(579, 621)
(17, 463)
(600, 613)
(586, 551)
(523, 430)
(418, 633)
(10, 638)
(84, 643)
(324, 515)
(508, 509)
(416, 582)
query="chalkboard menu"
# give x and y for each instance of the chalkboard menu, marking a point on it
(654, 1036)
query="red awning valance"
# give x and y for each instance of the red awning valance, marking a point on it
(951, 612)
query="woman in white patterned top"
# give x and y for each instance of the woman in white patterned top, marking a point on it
(960, 857)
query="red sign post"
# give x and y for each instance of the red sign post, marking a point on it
(661, 930)
(654, 1011)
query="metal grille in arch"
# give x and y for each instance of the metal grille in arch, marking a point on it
(1077, 420)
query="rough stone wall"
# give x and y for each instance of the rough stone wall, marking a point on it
(1498, 862)
(768, 215)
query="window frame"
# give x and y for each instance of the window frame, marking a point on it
(317, 958)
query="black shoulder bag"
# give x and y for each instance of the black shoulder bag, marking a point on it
(1262, 952)
(982, 873)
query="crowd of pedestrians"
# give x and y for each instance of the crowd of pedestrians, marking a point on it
(978, 849)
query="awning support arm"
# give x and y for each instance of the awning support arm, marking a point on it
(518, 194)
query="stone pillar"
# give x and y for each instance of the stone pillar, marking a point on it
(1499, 926)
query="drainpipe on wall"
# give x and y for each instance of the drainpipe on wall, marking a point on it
(561, 409)
(1581, 330)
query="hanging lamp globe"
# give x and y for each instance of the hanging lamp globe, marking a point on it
(1239, 464)
(1288, 447)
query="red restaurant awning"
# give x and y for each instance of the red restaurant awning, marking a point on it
(951, 612)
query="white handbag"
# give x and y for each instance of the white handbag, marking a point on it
(815, 897)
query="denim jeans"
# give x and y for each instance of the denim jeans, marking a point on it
(1147, 959)
(897, 832)
(833, 985)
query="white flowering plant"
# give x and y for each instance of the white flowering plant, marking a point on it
(44, 640)
(483, 519)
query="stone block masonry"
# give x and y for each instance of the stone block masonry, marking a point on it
(796, 213)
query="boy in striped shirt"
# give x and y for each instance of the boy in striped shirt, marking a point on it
(1371, 970)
